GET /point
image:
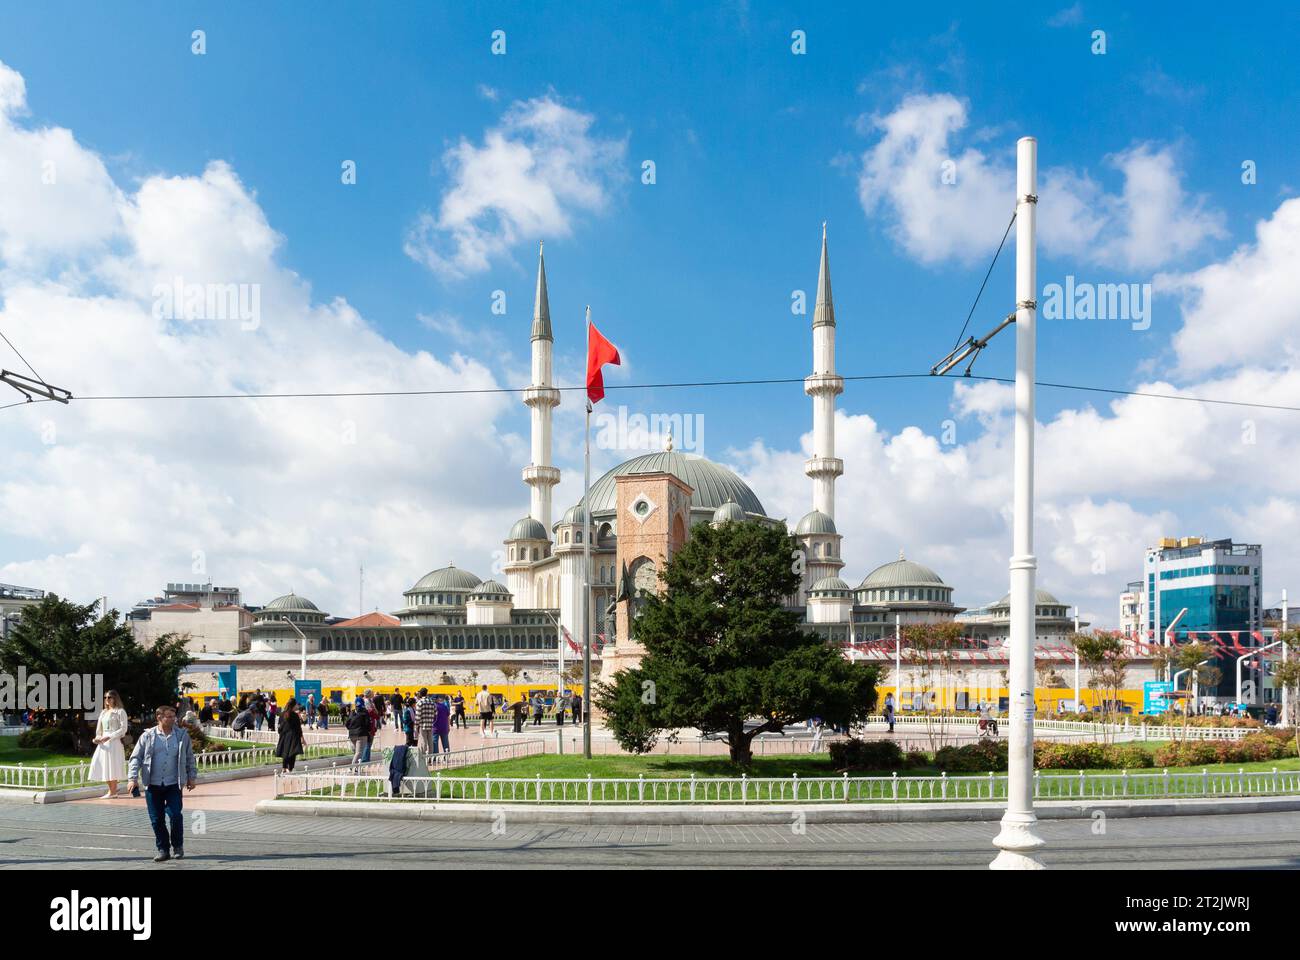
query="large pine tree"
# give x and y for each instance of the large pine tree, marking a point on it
(724, 655)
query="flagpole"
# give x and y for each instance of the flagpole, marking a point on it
(586, 571)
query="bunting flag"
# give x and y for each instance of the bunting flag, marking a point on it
(599, 352)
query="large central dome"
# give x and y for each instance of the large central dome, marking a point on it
(713, 484)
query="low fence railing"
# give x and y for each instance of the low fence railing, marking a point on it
(68, 776)
(267, 735)
(377, 768)
(1134, 730)
(592, 791)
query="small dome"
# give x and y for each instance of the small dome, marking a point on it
(527, 529)
(814, 522)
(730, 510)
(830, 584)
(573, 515)
(292, 602)
(901, 573)
(446, 578)
(1044, 599)
(490, 590)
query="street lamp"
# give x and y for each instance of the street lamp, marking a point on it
(1258, 652)
(1017, 841)
(303, 637)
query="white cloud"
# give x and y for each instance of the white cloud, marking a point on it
(944, 202)
(1069, 17)
(532, 174)
(1245, 309)
(117, 498)
(57, 200)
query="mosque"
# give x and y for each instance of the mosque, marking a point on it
(642, 512)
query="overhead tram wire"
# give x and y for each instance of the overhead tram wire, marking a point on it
(686, 384)
(987, 273)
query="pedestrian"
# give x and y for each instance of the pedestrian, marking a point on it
(324, 711)
(259, 710)
(889, 712)
(373, 712)
(560, 701)
(539, 707)
(442, 726)
(426, 713)
(397, 706)
(359, 731)
(243, 722)
(575, 705)
(458, 702)
(289, 747)
(163, 758)
(486, 712)
(519, 709)
(109, 762)
(408, 721)
(205, 715)
(272, 714)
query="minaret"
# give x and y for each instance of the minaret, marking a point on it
(824, 386)
(541, 398)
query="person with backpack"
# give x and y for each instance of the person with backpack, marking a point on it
(359, 731)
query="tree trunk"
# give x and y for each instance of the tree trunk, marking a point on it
(738, 741)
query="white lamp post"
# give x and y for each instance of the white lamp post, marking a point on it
(303, 637)
(1017, 841)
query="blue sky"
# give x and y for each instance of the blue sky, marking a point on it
(692, 276)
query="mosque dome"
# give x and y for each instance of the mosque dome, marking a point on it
(730, 510)
(291, 603)
(815, 522)
(448, 578)
(712, 483)
(527, 529)
(901, 573)
(830, 585)
(490, 590)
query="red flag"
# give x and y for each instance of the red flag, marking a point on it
(599, 352)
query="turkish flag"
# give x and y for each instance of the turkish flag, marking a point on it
(599, 352)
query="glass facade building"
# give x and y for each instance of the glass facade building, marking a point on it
(1217, 583)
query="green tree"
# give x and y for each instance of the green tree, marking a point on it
(722, 651)
(57, 636)
(511, 673)
(1103, 653)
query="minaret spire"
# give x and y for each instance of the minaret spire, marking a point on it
(541, 302)
(824, 386)
(541, 398)
(824, 311)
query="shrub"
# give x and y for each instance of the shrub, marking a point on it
(54, 739)
(915, 759)
(855, 754)
(1128, 756)
(982, 757)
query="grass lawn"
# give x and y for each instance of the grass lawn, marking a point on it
(11, 753)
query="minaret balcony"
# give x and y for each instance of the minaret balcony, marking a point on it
(823, 467)
(546, 476)
(535, 396)
(820, 384)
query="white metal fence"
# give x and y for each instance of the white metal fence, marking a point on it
(593, 791)
(68, 776)
(1126, 730)
(266, 735)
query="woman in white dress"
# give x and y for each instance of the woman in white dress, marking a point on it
(109, 761)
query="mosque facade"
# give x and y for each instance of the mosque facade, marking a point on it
(642, 512)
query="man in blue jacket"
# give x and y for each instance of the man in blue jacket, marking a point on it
(163, 758)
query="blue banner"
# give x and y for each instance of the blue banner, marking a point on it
(1155, 696)
(228, 682)
(302, 688)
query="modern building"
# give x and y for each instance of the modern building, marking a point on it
(212, 617)
(13, 600)
(1198, 589)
